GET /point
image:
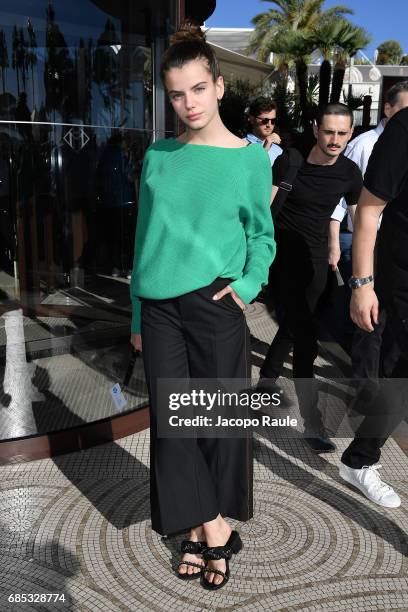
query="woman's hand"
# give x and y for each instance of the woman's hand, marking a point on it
(136, 341)
(235, 296)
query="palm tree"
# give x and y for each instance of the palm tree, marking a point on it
(58, 67)
(389, 52)
(106, 68)
(83, 70)
(354, 38)
(302, 15)
(287, 30)
(31, 54)
(23, 57)
(4, 61)
(326, 35)
(16, 55)
(298, 46)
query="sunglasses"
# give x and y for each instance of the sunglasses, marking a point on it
(266, 120)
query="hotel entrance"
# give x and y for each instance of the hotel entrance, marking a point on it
(80, 102)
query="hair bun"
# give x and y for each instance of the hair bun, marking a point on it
(189, 30)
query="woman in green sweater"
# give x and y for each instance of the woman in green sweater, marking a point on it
(204, 244)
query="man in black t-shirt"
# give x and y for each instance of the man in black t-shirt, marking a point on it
(304, 249)
(385, 181)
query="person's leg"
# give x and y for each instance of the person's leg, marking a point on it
(281, 289)
(182, 493)
(385, 411)
(365, 350)
(278, 352)
(358, 463)
(305, 351)
(390, 354)
(218, 346)
(365, 449)
(305, 348)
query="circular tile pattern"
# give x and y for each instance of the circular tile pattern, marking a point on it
(307, 548)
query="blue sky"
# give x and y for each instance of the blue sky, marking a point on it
(383, 19)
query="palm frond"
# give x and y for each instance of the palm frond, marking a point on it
(339, 11)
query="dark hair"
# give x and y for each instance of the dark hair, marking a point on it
(186, 45)
(334, 109)
(392, 94)
(261, 105)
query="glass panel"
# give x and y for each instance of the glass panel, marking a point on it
(75, 120)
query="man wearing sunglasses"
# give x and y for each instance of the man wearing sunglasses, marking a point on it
(261, 126)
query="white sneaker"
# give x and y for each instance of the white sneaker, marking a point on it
(368, 480)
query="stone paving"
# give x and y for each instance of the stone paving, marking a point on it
(79, 526)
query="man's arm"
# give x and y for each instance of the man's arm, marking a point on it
(384, 178)
(364, 302)
(334, 243)
(279, 169)
(274, 192)
(352, 212)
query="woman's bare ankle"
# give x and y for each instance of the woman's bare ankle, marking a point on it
(216, 530)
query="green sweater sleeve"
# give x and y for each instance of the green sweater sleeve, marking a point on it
(259, 231)
(136, 315)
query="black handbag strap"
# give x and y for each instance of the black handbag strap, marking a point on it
(295, 160)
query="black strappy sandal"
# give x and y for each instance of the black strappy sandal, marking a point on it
(193, 548)
(216, 553)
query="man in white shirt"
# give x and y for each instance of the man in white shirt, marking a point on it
(262, 121)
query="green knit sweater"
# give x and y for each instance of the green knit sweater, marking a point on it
(203, 213)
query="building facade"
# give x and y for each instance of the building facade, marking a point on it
(80, 101)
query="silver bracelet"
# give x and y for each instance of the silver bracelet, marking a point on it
(356, 283)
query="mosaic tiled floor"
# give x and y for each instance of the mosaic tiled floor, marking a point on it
(79, 526)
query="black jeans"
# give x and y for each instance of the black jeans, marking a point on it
(194, 480)
(298, 280)
(368, 364)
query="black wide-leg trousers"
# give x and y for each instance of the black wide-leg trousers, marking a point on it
(192, 480)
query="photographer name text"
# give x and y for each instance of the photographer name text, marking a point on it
(205, 421)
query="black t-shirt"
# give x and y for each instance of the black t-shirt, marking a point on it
(387, 178)
(315, 194)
